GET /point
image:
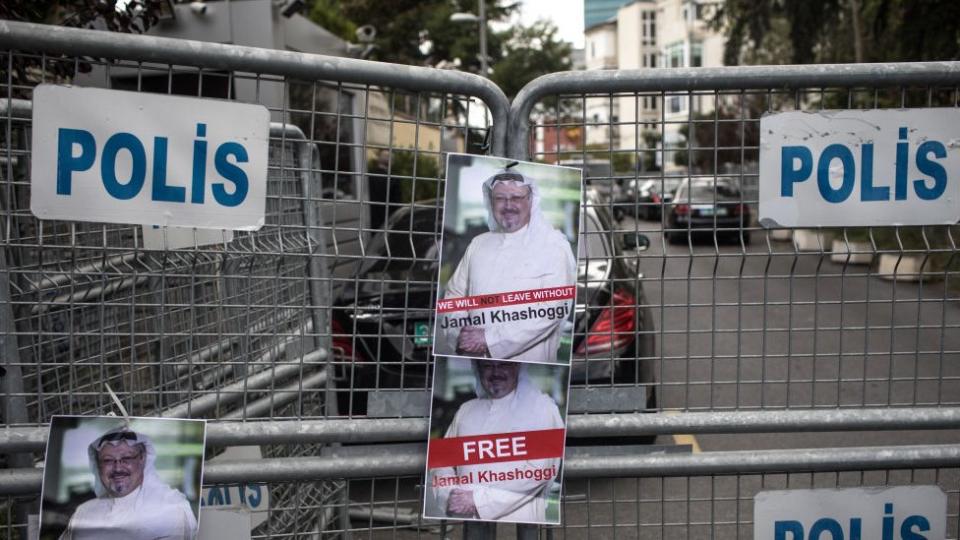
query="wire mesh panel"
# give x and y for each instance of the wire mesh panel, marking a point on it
(703, 507)
(729, 317)
(325, 314)
(94, 307)
(302, 319)
(744, 317)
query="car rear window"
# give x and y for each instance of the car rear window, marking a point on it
(707, 193)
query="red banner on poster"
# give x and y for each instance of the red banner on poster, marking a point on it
(483, 301)
(496, 448)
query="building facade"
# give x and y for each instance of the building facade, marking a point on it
(651, 34)
(601, 113)
(598, 11)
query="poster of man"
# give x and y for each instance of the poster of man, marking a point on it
(507, 264)
(109, 478)
(496, 441)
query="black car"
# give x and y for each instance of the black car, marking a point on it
(382, 324)
(381, 329)
(707, 205)
(644, 197)
(614, 333)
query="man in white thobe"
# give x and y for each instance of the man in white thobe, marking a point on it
(132, 502)
(521, 252)
(507, 402)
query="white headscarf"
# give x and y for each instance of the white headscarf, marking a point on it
(538, 223)
(150, 475)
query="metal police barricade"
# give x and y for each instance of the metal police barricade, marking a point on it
(752, 344)
(769, 343)
(236, 327)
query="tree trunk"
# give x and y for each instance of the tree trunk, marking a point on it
(857, 35)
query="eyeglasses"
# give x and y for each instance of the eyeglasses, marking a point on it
(516, 199)
(126, 461)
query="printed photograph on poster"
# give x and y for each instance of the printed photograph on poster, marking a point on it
(496, 441)
(508, 268)
(109, 477)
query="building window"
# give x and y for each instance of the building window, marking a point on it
(696, 55)
(678, 104)
(673, 55)
(648, 28)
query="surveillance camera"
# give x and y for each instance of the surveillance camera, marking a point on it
(366, 33)
(198, 7)
(292, 8)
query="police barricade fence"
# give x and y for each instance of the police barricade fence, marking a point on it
(787, 322)
(240, 330)
(235, 326)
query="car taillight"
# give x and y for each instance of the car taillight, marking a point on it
(682, 209)
(655, 197)
(614, 328)
(737, 209)
(342, 343)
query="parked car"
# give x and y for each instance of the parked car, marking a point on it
(707, 205)
(381, 325)
(381, 322)
(614, 334)
(644, 197)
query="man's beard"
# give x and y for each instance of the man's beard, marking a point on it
(509, 219)
(497, 386)
(121, 483)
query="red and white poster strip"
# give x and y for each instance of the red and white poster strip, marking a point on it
(497, 433)
(508, 267)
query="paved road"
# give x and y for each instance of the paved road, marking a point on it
(764, 326)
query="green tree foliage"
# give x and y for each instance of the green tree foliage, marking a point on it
(328, 15)
(649, 153)
(819, 31)
(415, 175)
(420, 32)
(729, 134)
(531, 51)
(131, 16)
(404, 26)
(114, 15)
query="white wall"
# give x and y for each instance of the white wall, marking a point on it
(635, 46)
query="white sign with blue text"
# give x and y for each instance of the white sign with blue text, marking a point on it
(251, 498)
(149, 159)
(860, 168)
(896, 513)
